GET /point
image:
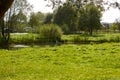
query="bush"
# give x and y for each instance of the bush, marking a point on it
(114, 27)
(50, 33)
(78, 39)
(114, 39)
(102, 40)
(23, 38)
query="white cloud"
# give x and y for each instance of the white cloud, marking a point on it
(40, 5)
(111, 15)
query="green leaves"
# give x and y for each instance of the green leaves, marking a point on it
(36, 19)
(67, 15)
(89, 19)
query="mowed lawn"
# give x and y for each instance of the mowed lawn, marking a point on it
(65, 62)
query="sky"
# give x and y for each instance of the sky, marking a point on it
(40, 5)
(108, 16)
(111, 15)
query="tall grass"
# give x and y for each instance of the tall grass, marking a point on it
(50, 33)
(98, 38)
(24, 38)
(75, 38)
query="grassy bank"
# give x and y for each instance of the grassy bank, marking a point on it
(76, 38)
(65, 62)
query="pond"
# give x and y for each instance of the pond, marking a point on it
(18, 46)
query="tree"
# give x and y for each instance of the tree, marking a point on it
(21, 21)
(48, 18)
(17, 20)
(118, 24)
(78, 3)
(54, 3)
(89, 19)
(114, 4)
(17, 7)
(33, 20)
(40, 17)
(4, 6)
(21, 5)
(114, 27)
(36, 19)
(66, 14)
(13, 21)
(81, 3)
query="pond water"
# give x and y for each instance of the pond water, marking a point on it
(18, 46)
(19, 33)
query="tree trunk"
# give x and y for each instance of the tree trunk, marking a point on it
(5, 35)
(90, 31)
(4, 6)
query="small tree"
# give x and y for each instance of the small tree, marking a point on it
(114, 27)
(89, 19)
(118, 24)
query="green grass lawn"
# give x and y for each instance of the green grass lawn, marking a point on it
(65, 62)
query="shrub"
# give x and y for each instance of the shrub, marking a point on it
(114, 39)
(102, 40)
(78, 39)
(23, 38)
(50, 33)
(114, 27)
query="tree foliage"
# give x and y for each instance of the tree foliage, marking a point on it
(78, 3)
(114, 27)
(36, 19)
(48, 18)
(18, 22)
(89, 19)
(66, 14)
(21, 5)
(18, 7)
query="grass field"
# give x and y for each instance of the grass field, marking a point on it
(65, 62)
